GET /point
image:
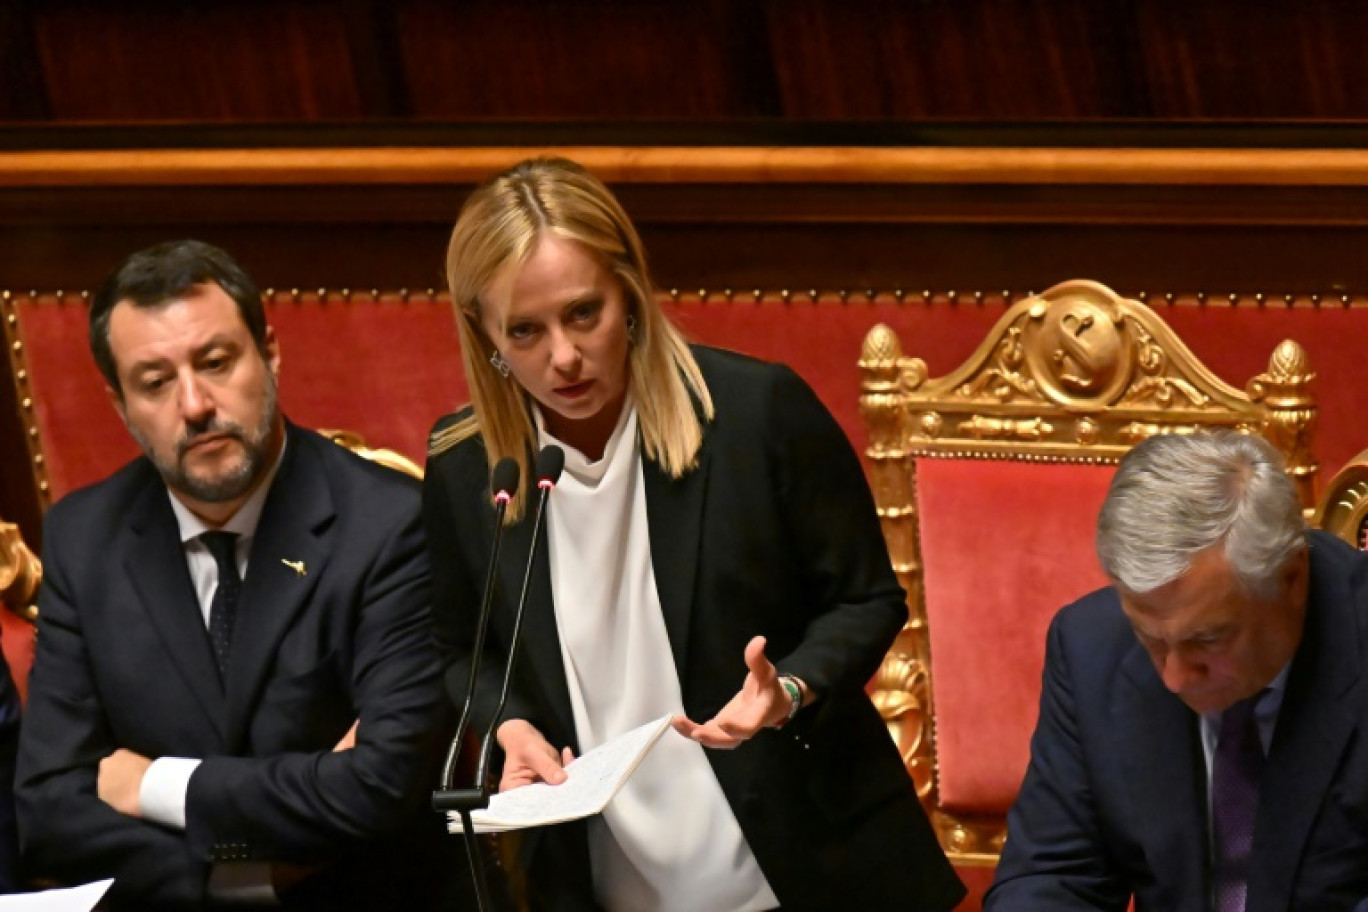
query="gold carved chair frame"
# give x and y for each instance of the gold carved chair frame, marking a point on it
(1076, 374)
(1343, 508)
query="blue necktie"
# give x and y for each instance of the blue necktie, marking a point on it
(1236, 771)
(223, 608)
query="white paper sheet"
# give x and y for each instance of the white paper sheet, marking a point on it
(71, 899)
(591, 782)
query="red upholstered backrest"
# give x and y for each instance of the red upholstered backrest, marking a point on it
(388, 367)
(81, 435)
(1004, 545)
(821, 339)
(385, 368)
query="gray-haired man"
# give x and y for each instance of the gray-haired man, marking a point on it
(1201, 736)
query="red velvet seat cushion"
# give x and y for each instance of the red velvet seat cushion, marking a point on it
(1004, 546)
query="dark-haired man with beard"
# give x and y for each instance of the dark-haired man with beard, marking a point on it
(235, 697)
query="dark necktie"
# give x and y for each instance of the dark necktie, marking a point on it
(223, 609)
(1235, 774)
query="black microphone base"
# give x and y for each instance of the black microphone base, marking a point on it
(464, 800)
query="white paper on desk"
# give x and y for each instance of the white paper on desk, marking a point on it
(71, 899)
(591, 782)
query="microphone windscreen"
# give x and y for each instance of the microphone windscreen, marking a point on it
(550, 461)
(505, 477)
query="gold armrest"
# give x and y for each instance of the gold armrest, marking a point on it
(385, 457)
(1343, 508)
(20, 573)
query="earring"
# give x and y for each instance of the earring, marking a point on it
(500, 365)
(631, 329)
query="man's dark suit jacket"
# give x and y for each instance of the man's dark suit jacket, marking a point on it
(774, 533)
(124, 660)
(1114, 801)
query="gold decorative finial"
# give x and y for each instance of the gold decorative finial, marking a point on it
(1289, 362)
(881, 344)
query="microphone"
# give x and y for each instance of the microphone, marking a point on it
(550, 462)
(504, 484)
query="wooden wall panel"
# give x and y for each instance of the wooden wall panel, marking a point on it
(23, 94)
(540, 60)
(170, 60)
(801, 61)
(1265, 60)
(993, 60)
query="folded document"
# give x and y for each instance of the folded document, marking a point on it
(591, 782)
(72, 899)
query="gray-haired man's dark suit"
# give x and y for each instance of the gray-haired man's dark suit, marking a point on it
(1114, 800)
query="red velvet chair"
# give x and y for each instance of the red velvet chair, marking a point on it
(988, 482)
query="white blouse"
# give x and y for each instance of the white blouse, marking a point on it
(668, 841)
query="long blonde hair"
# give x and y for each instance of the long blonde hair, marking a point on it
(499, 226)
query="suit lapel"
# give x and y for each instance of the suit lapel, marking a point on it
(295, 525)
(540, 640)
(157, 571)
(1311, 735)
(1166, 776)
(674, 514)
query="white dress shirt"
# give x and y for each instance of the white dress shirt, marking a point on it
(668, 841)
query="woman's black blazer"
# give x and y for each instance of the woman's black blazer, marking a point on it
(773, 533)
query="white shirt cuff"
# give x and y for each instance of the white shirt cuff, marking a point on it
(245, 882)
(161, 797)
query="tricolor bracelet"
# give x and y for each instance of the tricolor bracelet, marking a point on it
(795, 695)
